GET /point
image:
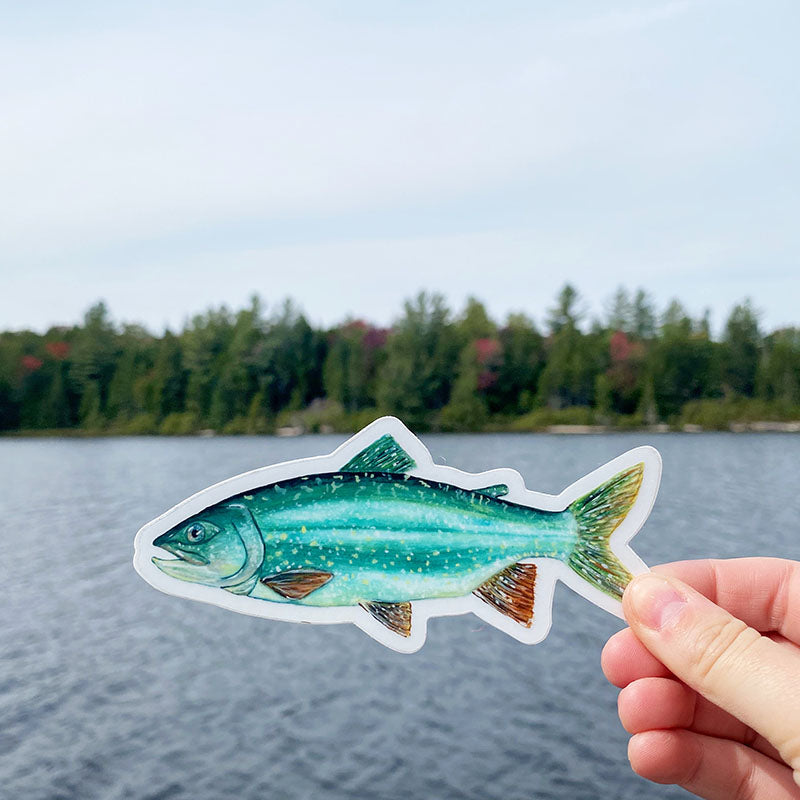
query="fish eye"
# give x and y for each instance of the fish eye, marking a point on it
(195, 532)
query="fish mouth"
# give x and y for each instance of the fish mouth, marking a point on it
(182, 555)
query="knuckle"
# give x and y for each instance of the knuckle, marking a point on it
(746, 785)
(693, 767)
(790, 753)
(720, 645)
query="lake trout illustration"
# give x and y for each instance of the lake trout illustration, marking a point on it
(378, 535)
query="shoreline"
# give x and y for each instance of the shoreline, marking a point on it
(759, 426)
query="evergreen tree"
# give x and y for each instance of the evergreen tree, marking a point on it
(643, 316)
(565, 313)
(346, 373)
(742, 347)
(126, 396)
(522, 361)
(573, 359)
(421, 355)
(681, 362)
(466, 410)
(92, 364)
(169, 377)
(778, 378)
(475, 323)
(620, 312)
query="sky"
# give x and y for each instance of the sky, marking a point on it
(168, 157)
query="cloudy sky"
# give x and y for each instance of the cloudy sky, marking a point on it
(167, 157)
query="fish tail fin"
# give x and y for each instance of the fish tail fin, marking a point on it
(598, 514)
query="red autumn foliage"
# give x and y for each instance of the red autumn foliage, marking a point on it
(31, 363)
(486, 350)
(375, 338)
(59, 350)
(355, 325)
(486, 379)
(620, 347)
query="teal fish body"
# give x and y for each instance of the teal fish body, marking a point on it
(396, 538)
(376, 537)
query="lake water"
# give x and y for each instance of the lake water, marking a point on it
(110, 689)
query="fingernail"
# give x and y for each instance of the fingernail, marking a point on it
(655, 601)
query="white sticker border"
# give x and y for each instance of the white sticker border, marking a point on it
(548, 570)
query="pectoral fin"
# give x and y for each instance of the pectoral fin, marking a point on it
(297, 583)
(383, 455)
(395, 616)
(242, 588)
(512, 592)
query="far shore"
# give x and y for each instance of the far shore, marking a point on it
(291, 431)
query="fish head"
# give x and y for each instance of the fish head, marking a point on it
(221, 546)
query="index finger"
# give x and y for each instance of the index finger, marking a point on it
(762, 592)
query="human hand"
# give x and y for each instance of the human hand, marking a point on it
(710, 677)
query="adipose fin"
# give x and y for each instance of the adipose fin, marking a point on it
(497, 490)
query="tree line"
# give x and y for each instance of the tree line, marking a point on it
(250, 371)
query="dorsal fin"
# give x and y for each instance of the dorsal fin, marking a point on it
(383, 455)
(497, 490)
(297, 583)
(395, 616)
(512, 592)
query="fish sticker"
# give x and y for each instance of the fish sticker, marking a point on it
(378, 535)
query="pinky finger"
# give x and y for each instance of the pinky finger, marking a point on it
(715, 769)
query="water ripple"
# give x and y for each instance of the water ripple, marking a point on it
(111, 690)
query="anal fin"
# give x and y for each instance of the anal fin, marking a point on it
(395, 616)
(512, 591)
(297, 583)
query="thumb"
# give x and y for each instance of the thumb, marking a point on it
(734, 666)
